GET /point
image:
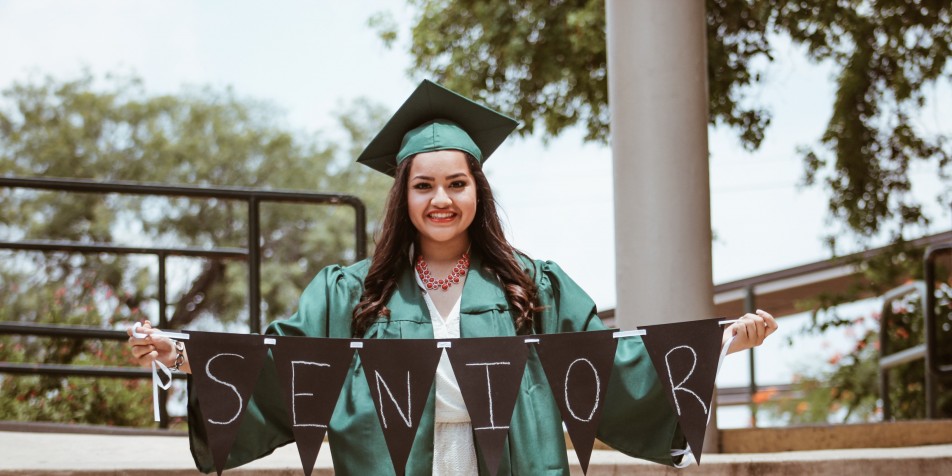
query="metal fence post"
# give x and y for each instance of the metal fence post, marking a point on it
(254, 267)
(750, 305)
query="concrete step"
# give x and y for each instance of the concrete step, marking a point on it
(817, 437)
(28, 453)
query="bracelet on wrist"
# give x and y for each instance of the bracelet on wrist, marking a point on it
(180, 356)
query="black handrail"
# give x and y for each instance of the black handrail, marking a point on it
(932, 365)
(253, 197)
(48, 330)
(925, 351)
(64, 370)
(888, 359)
(74, 247)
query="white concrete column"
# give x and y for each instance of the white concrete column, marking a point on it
(657, 91)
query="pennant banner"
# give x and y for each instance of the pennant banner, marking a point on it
(400, 374)
(225, 368)
(489, 371)
(312, 372)
(578, 366)
(685, 355)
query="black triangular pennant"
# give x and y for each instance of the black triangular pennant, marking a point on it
(225, 369)
(685, 355)
(400, 374)
(578, 366)
(489, 371)
(312, 373)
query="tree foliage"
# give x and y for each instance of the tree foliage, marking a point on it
(544, 62)
(112, 129)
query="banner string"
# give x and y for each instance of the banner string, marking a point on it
(360, 345)
(157, 384)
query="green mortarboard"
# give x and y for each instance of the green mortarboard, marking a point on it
(435, 118)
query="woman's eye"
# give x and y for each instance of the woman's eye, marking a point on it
(421, 186)
(458, 184)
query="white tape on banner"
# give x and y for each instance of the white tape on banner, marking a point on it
(636, 332)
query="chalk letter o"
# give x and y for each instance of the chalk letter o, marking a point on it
(598, 385)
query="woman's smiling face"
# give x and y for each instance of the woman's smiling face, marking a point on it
(441, 197)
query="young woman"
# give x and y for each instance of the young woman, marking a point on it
(443, 268)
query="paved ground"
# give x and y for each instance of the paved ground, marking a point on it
(23, 453)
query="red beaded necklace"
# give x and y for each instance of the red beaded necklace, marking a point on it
(432, 283)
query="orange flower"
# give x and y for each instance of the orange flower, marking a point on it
(802, 407)
(763, 395)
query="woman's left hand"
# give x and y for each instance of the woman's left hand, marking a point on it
(750, 331)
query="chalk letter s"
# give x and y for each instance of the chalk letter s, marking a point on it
(208, 372)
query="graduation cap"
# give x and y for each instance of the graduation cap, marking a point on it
(435, 118)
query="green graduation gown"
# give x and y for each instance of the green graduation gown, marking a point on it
(637, 419)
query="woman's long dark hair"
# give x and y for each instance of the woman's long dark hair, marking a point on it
(486, 239)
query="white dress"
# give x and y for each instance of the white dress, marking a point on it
(454, 452)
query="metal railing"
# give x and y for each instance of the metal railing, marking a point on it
(253, 197)
(889, 360)
(926, 351)
(933, 366)
(251, 254)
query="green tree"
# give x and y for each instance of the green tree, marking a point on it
(112, 129)
(544, 62)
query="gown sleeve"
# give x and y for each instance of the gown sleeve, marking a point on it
(637, 419)
(324, 310)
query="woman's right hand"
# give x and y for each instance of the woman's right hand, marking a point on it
(153, 347)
